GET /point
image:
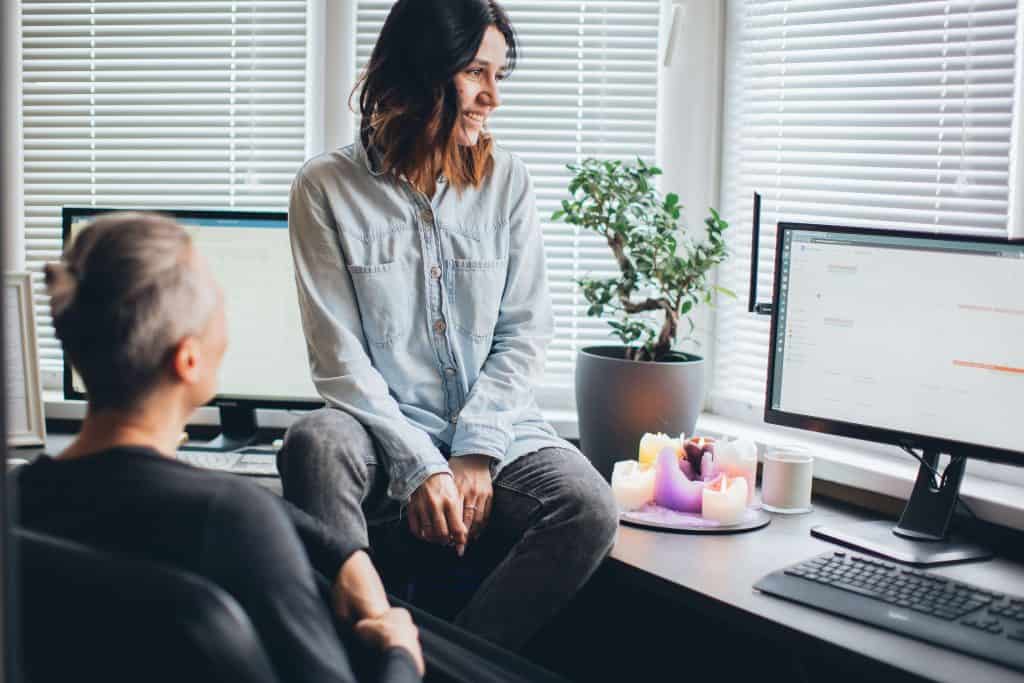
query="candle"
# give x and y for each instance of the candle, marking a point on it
(686, 468)
(724, 500)
(632, 486)
(708, 466)
(739, 459)
(671, 487)
(698, 451)
(652, 444)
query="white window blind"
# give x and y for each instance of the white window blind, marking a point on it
(585, 85)
(168, 104)
(879, 114)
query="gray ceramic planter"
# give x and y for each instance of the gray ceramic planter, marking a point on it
(618, 400)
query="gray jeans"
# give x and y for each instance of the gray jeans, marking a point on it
(553, 521)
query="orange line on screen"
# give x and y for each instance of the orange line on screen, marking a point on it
(988, 366)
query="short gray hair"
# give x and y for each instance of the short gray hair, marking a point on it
(125, 294)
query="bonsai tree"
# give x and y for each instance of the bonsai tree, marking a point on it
(662, 270)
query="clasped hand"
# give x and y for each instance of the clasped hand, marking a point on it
(453, 509)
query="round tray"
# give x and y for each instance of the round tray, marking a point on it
(656, 517)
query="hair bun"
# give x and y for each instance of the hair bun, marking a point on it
(61, 285)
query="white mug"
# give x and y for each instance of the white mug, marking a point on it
(786, 480)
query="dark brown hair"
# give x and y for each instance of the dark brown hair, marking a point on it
(124, 295)
(408, 103)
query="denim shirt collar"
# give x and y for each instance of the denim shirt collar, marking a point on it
(370, 156)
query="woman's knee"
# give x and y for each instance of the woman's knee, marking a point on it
(599, 512)
(587, 500)
(325, 438)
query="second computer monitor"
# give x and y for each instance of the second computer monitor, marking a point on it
(266, 364)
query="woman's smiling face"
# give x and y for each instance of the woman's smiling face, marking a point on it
(477, 87)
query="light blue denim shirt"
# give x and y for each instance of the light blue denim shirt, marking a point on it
(426, 319)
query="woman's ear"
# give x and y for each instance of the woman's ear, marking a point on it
(185, 361)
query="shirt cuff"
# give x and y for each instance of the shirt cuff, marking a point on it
(481, 438)
(397, 665)
(494, 460)
(401, 490)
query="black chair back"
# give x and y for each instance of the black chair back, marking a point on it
(91, 615)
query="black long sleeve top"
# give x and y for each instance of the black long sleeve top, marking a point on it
(259, 548)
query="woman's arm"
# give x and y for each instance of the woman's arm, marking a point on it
(338, 357)
(524, 329)
(357, 591)
(250, 549)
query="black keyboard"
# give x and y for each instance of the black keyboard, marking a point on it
(922, 605)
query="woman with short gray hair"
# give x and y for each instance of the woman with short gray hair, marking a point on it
(142, 320)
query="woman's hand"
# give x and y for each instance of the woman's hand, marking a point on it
(394, 628)
(435, 512)
(473, 479)
(358, 590)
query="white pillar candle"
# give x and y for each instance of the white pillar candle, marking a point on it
(652, 444)
(739, 459)
(632, 487)
(725, 500)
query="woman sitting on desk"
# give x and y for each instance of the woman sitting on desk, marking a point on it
(420, 267)
(142, 320)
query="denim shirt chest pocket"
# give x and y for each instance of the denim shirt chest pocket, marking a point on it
(475, 289)
(384, 293)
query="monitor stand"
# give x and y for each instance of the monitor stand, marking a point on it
(238, 429)
(921, 537)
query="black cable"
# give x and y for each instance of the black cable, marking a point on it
(939, 478)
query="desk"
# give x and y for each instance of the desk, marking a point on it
(715, 574)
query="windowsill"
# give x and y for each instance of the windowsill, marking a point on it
(993, 501)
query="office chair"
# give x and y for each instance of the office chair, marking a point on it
(87, 614)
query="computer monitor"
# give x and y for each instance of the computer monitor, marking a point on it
(266, 364)
(908, 339)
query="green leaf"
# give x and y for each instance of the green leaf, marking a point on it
(725, 292)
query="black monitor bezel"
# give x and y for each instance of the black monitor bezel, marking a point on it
(857, 431)
(220, 400)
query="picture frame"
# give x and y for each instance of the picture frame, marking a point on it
(26, 424)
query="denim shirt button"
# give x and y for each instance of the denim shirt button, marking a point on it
(426, 217)
(450, 372)
(440, 327)
(454, 418)
(435, 272)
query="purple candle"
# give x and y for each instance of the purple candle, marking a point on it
(697, 450)
(686, 468)
(708, 468)
(671, 487)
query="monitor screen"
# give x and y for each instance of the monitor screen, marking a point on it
(899, 337)
(249, 252)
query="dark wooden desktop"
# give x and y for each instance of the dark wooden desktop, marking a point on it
(688, 583)
(714, 575)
